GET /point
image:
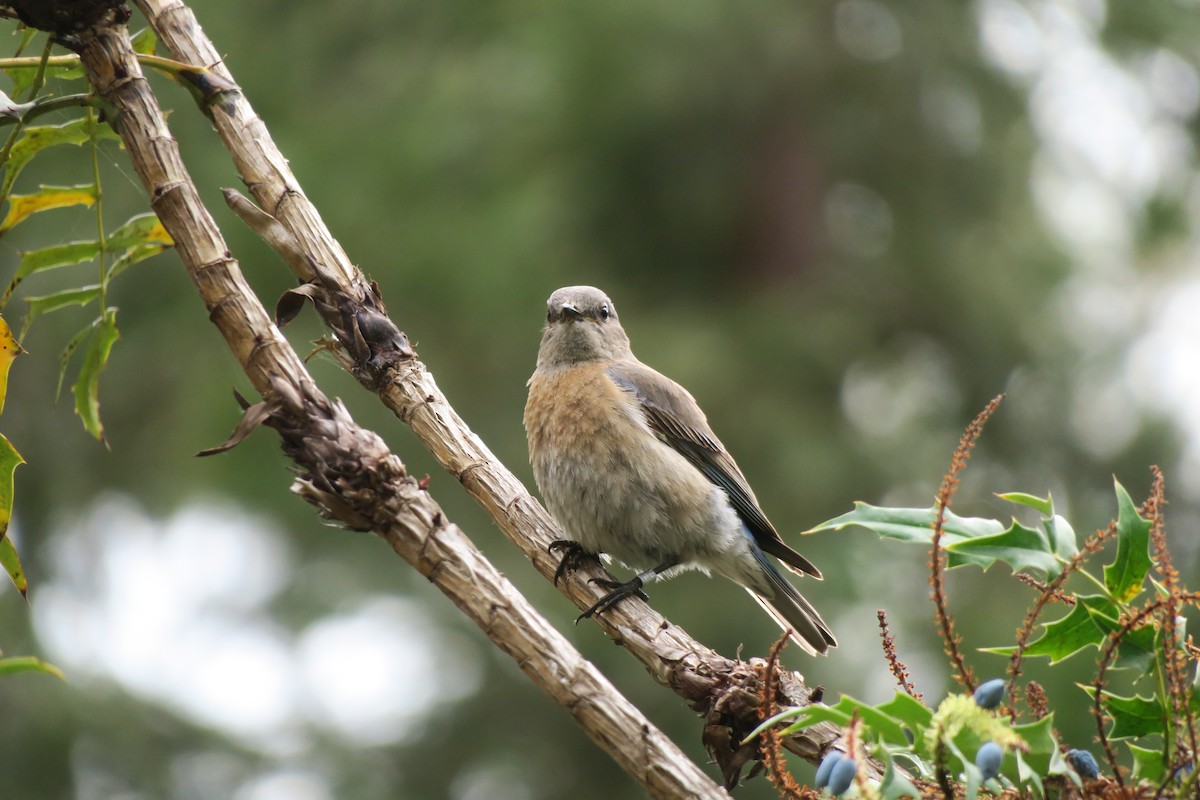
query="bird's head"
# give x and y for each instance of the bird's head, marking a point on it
(581, 326)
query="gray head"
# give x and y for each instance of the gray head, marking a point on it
(581, 326)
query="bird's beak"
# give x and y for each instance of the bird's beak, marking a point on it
(570, 312)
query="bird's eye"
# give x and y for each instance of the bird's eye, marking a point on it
(604, 312)
(549, 316)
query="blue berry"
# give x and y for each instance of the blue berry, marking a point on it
(988, 760)
(827, 765)
(989, 694)
(1083, 763)
(842, 776)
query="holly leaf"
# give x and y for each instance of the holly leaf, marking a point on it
(1148, 764)
(1024, 549)
(1132, 717)
(1124, 576)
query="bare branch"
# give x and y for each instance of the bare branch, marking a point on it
(341, 293)
(347, 472)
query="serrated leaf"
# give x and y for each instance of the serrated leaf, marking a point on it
(87, 384)
(1137, 650)
(11, 563)
(878, 725)
(9, 350)
(45, 304)
(1024, 549)
(910, 524)
(1132, 717)
(911, 713)
(1044, 505)
(1086, 624)
(1039, 736)
(11, 666)
(1148, 764)
(1124, 576)
(23, 206)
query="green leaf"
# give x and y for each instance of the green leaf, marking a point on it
(1063, 637)
(37, 138)
(87, 385)
(1124, 576)
(910, 524)
(10, 459)
(64, 358)
(1138, 649)
(1132, 717)
(1062, 537)
(1024, 549)
(23, 206)
(53, 257)
(144, 42)
(910, 712)
(11, 563)
(878, 726)
(44, 304)
(135, 254)
(1044, 505)
(11, 666)
(1088, 623)
(1148, 764)
(894, 784)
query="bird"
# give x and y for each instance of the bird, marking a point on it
(627, 464)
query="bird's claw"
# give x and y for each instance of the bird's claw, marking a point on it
(619, 591)
(574, 556)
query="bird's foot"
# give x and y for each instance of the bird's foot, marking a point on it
(619, 591)
(574, 556)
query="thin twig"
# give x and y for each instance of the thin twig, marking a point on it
(889, 652)
(962, 454)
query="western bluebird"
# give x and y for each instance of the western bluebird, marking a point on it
(627, 464)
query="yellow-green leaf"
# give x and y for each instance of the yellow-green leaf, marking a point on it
(141, 229)
(9, 350)
(87, 384)
(144, 42)
(10, 459)
(22, 206)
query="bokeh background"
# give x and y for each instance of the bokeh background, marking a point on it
(843, 225)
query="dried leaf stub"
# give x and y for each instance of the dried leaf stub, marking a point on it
(253, 416)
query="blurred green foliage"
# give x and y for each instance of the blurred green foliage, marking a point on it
(819, 218)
